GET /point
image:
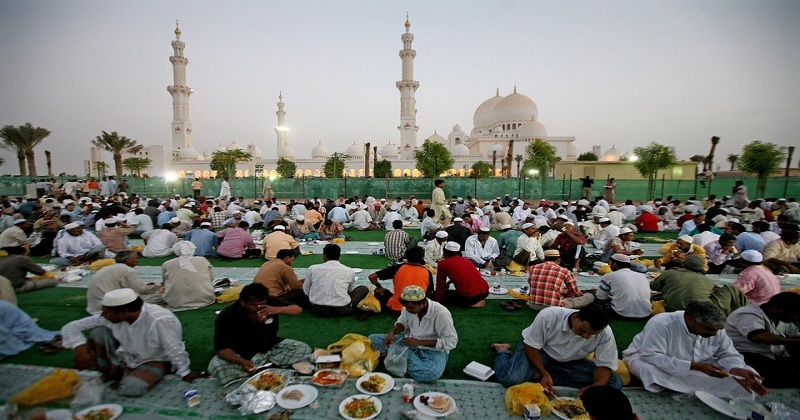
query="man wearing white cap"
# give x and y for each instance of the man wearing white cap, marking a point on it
(234, 220)
(115, 235)
(482, 249)
(204, 240)
(434, 249)
(627, 290)
(675, 252)
(457, 232)
(77, 246)
(521, 213)
(278, 240)
(470, 287)
(528, 248)
(756, 281)
(120, 275)
(131, 341)
(607, 232)
(179, 227)
(616, 217)
(429, 226)
(15, 235)
(621, 244)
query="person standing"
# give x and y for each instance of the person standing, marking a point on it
(197, 186)
(440, 205)
(740, 199)
(225, 190)
(586, 189)
(266, 190)
(611, 189)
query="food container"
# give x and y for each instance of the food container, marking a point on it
(532, 412)
(478, 371)
(330, 378)
(192, 397)
(333, 361)
(408, 393)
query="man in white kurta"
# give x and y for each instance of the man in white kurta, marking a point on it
(687, 351)
(120, 276)
(440, 205)
(434, 249)
(607, 232)
(225, 190)
(482, 249)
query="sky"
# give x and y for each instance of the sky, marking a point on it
(610, 73)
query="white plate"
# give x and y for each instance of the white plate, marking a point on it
(116, 409)
(377, 402)
(500, 291)
(322, 242)
(49, 267)
(351, 252)
(309, 395)
(560, 414)
(386, 387)
(424, 409)
(373, 243)
(358, 270)
(516, 289)
(722, 406)
(586, 274)
(306, 252)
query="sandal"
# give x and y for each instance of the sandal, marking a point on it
(52, 347)
(509, 306)
(517, 304)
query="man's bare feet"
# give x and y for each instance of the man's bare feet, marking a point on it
(498, 347)
(480, 304)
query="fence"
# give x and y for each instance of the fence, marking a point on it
(526, 188)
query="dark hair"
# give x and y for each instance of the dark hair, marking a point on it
(738, 227)
(133, 306)
(596, 318)
(430, 212)
(123, 256)
(762, 225)
(283, 253)
(397, 224)
(332, 251)
(328, 222)
(14, 250)
(703, 227)
(244, 225)
(417, 254)
(167, 226)
(606, 403)
(786, 300)
(438, 182)
(727, 237)
(254, 292)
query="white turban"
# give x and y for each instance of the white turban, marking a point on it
(185, 251)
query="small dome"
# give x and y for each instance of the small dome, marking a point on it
(532, 130)
(207, 154)
(285, 151)
(355, 151)
(572, 151)
(484, 114)
(612, 155)
(390, 151)
(220, 148)
(437, 138)
(234, 146)
(320, 152)
(188, 153)
(460, 150)
(255, 151)
(501, 151)
(457, 129)
(515, 107)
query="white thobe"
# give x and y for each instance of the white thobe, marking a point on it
(480, 254)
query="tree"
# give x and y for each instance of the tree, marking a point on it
(49, 158)
(588, 157)
(481, 169)
(334, 166)
(650, 160)
(117, 145)
(709, 163)
(286, 168)
(383, 169)
(101, 168)
(761, 159)
(698, 159)
(224, 161)
(732, 158)
(136, 164)
(23, 140)
(541, 155)
(432, 158)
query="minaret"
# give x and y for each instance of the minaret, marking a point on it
(408, 104)
(280, 130)
(181, 125)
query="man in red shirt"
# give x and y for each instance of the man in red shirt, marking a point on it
(553, 285)
(470, 287)
(647, 221)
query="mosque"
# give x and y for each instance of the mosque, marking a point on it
(502, 128)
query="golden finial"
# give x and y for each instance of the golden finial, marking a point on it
(177, 29)
(280, 95)
(515, 88)
(408, 23)
(497, 92)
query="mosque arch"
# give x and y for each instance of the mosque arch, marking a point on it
(206, 174)
(452, 171)
(317, 173)
(238, 173)
(198, 174)
(246, 172)
(273, 173)
(361, 173)
(214, 174)
(397, 173)
(352, 173)
(406, 172)
(461, 172)
(416, 173)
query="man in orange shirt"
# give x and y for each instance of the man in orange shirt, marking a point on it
(402, 275)
(312, 216)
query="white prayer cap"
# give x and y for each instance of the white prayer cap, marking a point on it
(604, 220)
(188, 205)
(583, 202)
(612, 207)
(569, 223)
(686, 238)
(204, 224)
(734, 220)
(383, 200)
(564, 203)
(279, 227)
(485, 229)
(752, 255)
(625, 230)
(119, 297)
(134, 205)
(647, 209)
(237, 212)
(20, 221)
(504, 227)
(174, 220)
(527, 225)
(394, 207)
(71, 226)
(300, 218)
(563, 216)
(111, 221)
(621, 258)
(441, 234)
(597, 214)
(452, 246)
(458, 219)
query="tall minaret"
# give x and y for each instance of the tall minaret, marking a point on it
(280, 130)
(408, 104)
(181, 125)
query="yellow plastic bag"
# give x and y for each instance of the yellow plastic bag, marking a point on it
(518, 396)
(605, 269)
(622, 370)
(370, 303)
(52, 387)
(513, 266)
(657, 307)
(229, 295)
(645, 262)
(338, 241)
(96, 265)
(358, 357)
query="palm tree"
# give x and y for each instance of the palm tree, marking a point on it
(23, 140)
(714, 143)
(117, 145)
(48, 156)
(732, 158)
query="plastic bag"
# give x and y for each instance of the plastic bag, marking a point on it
(370, 303)
(52, 387)
(396, 360)
(518, 396)
(88, 393)
(229, 295)
(358, 357)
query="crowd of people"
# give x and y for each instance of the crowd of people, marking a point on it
(733, 339)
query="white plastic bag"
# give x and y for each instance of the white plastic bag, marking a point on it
(396, 361)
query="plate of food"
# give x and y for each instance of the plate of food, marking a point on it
(360, 407)
(296, 396)
(306, 252)
(351, 252)
(569, 409)
(722, 406)
(268, 380)
(99, 412)
(330, 378)
(589, 274)
(375, 383)
(373, 243)
(358, 270)
(321, 242)
(435, 404)
(498, 290)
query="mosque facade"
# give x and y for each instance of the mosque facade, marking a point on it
(502, 127)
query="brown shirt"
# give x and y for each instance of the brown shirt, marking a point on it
(114, 238)
(278, 277)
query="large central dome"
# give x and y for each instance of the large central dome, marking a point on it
(515, 107)
(484, 115)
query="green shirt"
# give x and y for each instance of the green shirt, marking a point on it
(681, 286)
(508, 239)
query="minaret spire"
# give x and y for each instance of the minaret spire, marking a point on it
(280, 130)
(181, 124)
(408, 103)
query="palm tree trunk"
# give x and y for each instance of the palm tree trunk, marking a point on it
(118, 164)
(49, 163)
(21, 159)
(31, 162)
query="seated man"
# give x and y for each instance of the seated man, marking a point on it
(237, 243)
(689, 350)
(767, 336)
(553, 285)
(158, 242)
(187, 280)
(481, 250)
(683, 285)
(115, 235)
(434, 249)
(756, 281)
(675, 252)
(279, 240)
(120, 275)
(204, 240)
(300, 230)
(77, 246)
(607, 403)
(607, 232)
(553, 351)
(783, 255)
(16, 235)
(627, 291)
(330, 230)
(470, 287)
(246, 335)
(720, 253)
(131, 341)
(330, 286)
(428, 335)
(410, 273)
(408, 212)
(621, 244)
(280, 279)
(397, 241)
(528, 247)
(16, 266)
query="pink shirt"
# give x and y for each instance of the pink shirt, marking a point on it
(234, 242)
(758, 284)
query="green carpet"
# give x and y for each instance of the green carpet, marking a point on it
(477, 329)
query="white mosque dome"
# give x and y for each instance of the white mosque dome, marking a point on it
(533, 130)
(354, 151)
(501, 151)
(207, 154)
(484, 114)
(320, 152)
(457, 129)
(285, 151)
(460, 150)
(390, 151)
(515, 107)
(220, 148)
(572, 151)
(188, 153)
(256, 151)
(612, 155)
(437, 138)
(234, 146)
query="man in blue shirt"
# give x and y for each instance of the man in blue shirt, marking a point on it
(746, 241)
(204, 240)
